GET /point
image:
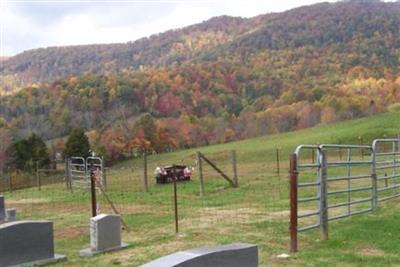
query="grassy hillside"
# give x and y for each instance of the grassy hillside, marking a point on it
(256, 212)
(259, 149)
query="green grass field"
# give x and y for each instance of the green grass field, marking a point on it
(256, 212)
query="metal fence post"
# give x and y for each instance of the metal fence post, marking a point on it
(323, 195)
(175, 200)
(69, 175)
(278, 162)
(293, 175)
(374, 179)
(39, 182)
(235, 177)
(200, 167)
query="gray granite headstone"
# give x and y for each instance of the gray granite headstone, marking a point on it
(27, 243)
(232, 255)
(2, 209)
(11, 214)
(105, 235)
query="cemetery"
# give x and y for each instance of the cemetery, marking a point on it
(171, 133)
(233, 211)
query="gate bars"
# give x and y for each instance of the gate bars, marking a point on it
(79, 169)
(352, 186)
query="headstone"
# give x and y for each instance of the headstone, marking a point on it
(2, 209)
(232, 255)
(27, 243)
(11, 214)
(105, 235)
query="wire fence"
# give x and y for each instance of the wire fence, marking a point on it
(260, 201)
(255, 211)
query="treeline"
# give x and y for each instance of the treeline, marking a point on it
(120, 123)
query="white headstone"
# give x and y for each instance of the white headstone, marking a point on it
(105, 234)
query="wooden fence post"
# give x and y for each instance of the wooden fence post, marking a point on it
(9, 180)
(277, 162)
(104, 171)
(235, 176)
(145, 181)
(209, 162)
(360, 143)
(67, 174)
(200, 168)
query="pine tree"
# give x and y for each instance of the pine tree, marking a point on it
(77, 144)
(26, 153)
(38, 152)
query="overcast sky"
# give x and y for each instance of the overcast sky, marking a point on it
(27, 24)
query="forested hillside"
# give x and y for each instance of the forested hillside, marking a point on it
(217, 81)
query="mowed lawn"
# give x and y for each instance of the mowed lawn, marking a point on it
(256, 212)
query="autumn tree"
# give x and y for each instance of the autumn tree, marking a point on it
(146, 128)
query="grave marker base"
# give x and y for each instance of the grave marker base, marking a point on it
(88, 252)
(56, 258)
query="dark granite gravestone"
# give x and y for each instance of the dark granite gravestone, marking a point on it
(105, 235)
(27, 243)
(2, 209)
(232, 255)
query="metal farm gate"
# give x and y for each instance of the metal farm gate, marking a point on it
(386, 168)
(330, 182)
(79, 170)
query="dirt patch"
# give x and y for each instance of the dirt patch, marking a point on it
(45, 205)
(283, 214)
(28, 201)
(206, 217)
(369, 251)
(71, 232)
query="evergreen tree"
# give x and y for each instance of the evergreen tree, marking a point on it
(77, 144)
(38, 151)
(24, 153)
